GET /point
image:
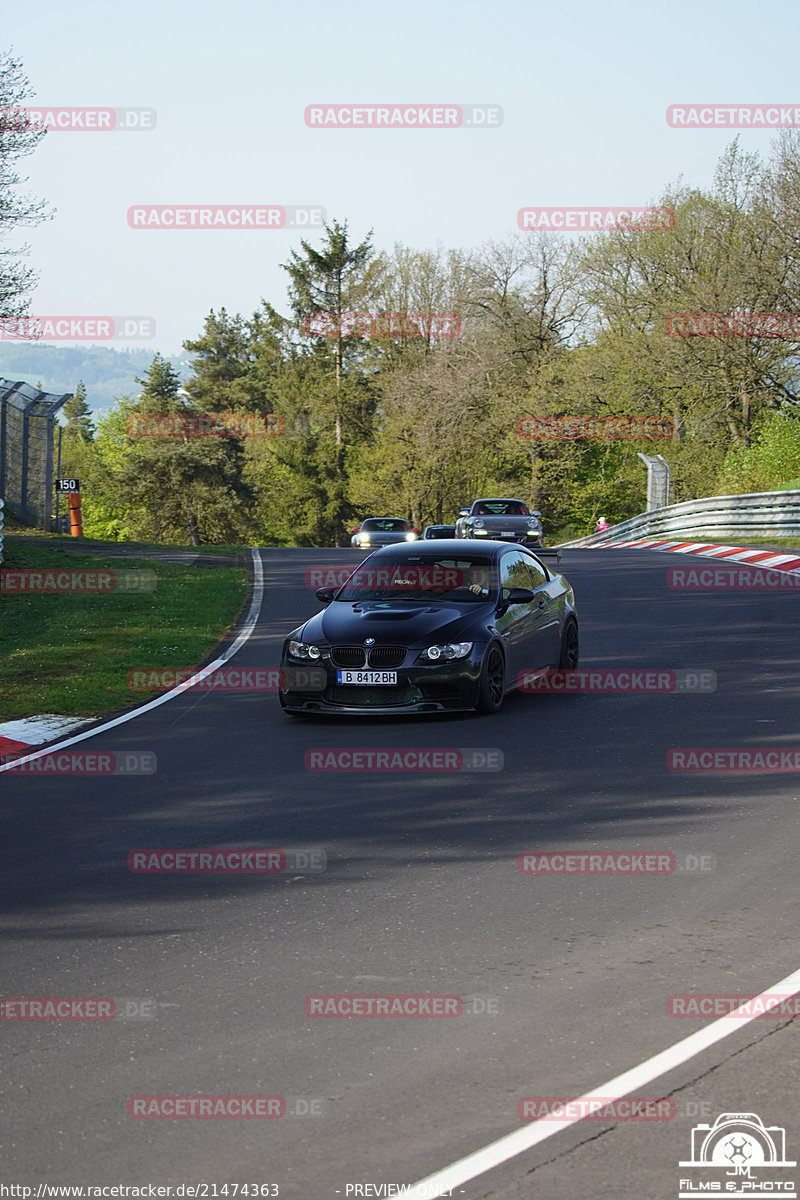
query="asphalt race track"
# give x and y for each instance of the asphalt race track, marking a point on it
(564, 981)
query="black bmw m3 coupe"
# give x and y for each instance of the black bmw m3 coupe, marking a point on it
(425, 629)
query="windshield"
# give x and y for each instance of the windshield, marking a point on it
(385, 525)
(423, 577)
(500, 508)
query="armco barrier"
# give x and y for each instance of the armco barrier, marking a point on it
(755, 514)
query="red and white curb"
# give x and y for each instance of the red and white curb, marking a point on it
(18, 736)
(739, 554)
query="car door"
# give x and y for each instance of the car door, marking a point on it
(543, 648)
(518, 624)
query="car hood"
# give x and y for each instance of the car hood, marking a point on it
(404, 623)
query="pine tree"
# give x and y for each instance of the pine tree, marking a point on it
(78, 414)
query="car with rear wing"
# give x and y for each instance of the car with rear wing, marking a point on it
(502, 520)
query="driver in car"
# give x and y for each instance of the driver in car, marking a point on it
(480, 581)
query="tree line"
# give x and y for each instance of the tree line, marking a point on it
(417, 416)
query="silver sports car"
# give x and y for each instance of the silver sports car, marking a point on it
(382, 531)
(500, 521)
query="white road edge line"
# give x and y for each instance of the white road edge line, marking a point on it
(234, 648)
(531, 1135)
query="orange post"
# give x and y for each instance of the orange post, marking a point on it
(75, 515)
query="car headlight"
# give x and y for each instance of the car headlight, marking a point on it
(447, 652)
(303, 650)
(477, 523)
(481, 532)
(411, 537)
(534, 524)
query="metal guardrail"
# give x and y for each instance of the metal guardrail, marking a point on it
(1, 530)
(755, 514)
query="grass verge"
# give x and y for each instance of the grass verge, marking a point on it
(70, 652)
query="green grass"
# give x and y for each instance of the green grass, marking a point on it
(70, 653)
(15, 529)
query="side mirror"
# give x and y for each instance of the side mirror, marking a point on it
(355, 529)
(463, 512)
(325, 595)
(514, 595)
(415, 529)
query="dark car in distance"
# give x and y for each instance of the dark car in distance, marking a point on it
(503, 520)
(430, 629)
(438, 532)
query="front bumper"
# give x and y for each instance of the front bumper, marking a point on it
(421, 688)
(377, 541)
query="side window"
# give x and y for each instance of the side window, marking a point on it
(537, 573)
(514, 570)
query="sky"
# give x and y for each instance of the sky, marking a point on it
(583, 86)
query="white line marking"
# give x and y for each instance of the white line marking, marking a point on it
(243, 635)
(531, 1135)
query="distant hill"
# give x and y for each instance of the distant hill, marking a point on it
(106, 373)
